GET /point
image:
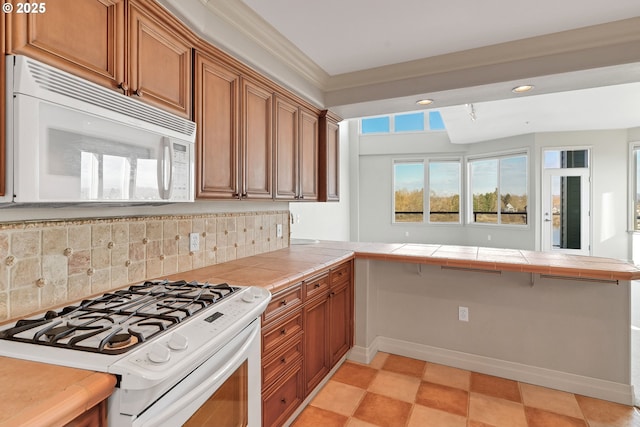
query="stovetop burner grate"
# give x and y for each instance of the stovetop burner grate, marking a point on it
(118, 321)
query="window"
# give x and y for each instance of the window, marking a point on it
(375, 125)
(498, 190)
(409, 191)
(409, 122)
(406, 122)
(444, 191)
(435, 121)
(408, 188)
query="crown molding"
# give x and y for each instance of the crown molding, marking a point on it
(612, 34)
(249, 23)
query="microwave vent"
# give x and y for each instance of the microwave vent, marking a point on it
(71, 86)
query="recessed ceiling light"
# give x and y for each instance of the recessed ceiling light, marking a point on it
(522, 88)
(424, 101)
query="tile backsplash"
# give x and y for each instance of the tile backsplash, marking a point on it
(45, 264)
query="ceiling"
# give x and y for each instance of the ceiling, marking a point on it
(365, 34)
(345, 36)
(371, 57)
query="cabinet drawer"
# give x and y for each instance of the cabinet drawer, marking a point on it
(281, 360)
(315, 286)
(341, 274)
(276, 334)
(280, 401)
(281, 302)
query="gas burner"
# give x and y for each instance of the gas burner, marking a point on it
(120, 341)
(118, 321)
(58, 332)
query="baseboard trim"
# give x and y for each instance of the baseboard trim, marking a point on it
(578, 384)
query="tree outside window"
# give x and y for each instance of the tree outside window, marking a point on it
(444, 191)
(498, 188)
(408, 191)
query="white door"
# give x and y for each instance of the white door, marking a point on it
(566, 219)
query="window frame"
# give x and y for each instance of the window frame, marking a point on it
(426, 202)
(426, 122)
(394, 162)
(469, 188)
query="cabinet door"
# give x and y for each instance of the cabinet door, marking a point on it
(3, 152)
(282, 399)
(340, 315)
(286, 150)
(308, 156)
(159, 59)
(216, 111)
(316, 345)
(329, 158)
(85, 38)
(257, 147)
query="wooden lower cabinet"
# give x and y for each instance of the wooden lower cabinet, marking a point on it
(283, 397)
(306, 329)
(94, 417)
(316, 343)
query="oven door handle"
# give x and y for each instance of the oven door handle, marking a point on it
(196, 392)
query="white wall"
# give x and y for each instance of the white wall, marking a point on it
(330, 220)
(566, 334)
(609, 154)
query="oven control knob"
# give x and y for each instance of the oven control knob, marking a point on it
(250, 295)
(159, 354)
(178, 342)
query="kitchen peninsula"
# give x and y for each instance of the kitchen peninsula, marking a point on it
(407, 296)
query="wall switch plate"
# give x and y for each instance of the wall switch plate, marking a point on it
(194, 242)
(278, 230)
(463, 314)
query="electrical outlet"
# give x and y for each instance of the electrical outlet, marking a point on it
(278, 230)
(194, 242)
(463, 314)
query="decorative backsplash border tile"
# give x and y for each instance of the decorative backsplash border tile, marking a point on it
(45, 264)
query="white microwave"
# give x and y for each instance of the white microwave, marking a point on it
(72, 141)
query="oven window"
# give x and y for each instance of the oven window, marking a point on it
(227, 406)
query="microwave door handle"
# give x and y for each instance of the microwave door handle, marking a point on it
(165, 169)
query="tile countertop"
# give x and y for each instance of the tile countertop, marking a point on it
(279, 269)
(38, 394)
(64, 393)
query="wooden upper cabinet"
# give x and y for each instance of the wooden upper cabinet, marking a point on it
(217, 114)
(256, 136)
(286, 149)
(308, 155)
(84, 37)
(134, 46)
(3, 152)
(159, 58)
(329, 157)
(296, 151)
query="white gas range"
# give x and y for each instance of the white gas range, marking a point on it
(172, 345)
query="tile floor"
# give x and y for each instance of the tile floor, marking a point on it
(399, 391)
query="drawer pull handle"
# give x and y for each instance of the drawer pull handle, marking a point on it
(283, 360)
(283, 302)
(283, 331)
(317, 285)
(283, 401)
